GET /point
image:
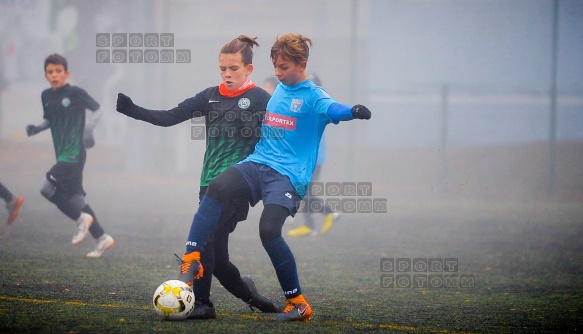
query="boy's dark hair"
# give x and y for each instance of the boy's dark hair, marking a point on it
(244, 45)
(56, 59)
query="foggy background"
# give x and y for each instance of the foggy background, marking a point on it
(460, 91)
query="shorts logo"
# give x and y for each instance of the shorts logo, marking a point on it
(288, 195)
(296, 105)
(66, 102)
(244, 103)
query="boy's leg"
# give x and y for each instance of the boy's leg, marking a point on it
(62, 186)
(229, 276)
(229, 184)
(284, 263)
(12, 203)
(279, 201)
(103, 241)
(5, 194)
(95, 229)
(203, 307)
(60, 199)
(202, 288)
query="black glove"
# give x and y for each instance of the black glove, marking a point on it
(361, 112)
(125, 105)
(31, 130)
(88, 140)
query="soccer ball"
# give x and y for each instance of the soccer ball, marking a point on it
(174, 300)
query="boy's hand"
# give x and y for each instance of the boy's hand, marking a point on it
(31, 130)
(88, 140)
(361, 112)
(124, 104)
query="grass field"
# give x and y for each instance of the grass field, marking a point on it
(526, 258)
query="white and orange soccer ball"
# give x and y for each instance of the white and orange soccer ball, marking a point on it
(174, 300)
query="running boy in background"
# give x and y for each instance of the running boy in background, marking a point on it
(64, 113)
(277, 172)
(233, 112)
(12, 203)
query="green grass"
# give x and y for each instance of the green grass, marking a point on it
(526, 258)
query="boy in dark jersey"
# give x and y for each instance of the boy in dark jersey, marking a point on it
(13, 203)
(233, 112)
(64, 113)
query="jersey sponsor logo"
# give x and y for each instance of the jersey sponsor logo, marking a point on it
(280, 121)
(244, 103)
(296, 105)
(213, 101)
(66, 102)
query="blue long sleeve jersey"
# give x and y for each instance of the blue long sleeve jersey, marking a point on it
(293, 125)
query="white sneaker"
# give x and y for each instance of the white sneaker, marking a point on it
(103, 243)
(82, 228)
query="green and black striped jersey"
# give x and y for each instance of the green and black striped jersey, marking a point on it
(64, 108)
(232, 125)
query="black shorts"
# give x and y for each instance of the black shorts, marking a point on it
(67, 177)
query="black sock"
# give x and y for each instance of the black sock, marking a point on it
(95, 229)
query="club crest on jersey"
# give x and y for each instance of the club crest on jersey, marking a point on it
(244, 103)
(66, 102)
(296, 105)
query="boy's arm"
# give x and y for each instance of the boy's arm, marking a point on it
(179, 114)
(342, 112)
(93, 119)
(32, 129)
(90, 123)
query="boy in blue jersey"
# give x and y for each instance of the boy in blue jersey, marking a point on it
(278, 171)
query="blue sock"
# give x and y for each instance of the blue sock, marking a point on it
(203, 224)
(285, 266)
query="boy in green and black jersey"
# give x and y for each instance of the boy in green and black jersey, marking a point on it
(64, 113)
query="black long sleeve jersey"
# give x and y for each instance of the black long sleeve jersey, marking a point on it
(233, 125)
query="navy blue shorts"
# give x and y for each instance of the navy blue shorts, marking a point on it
(269, 185)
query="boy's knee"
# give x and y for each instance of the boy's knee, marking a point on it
(47, 189)
(216, 189)
(78, 202)
(268, 232)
